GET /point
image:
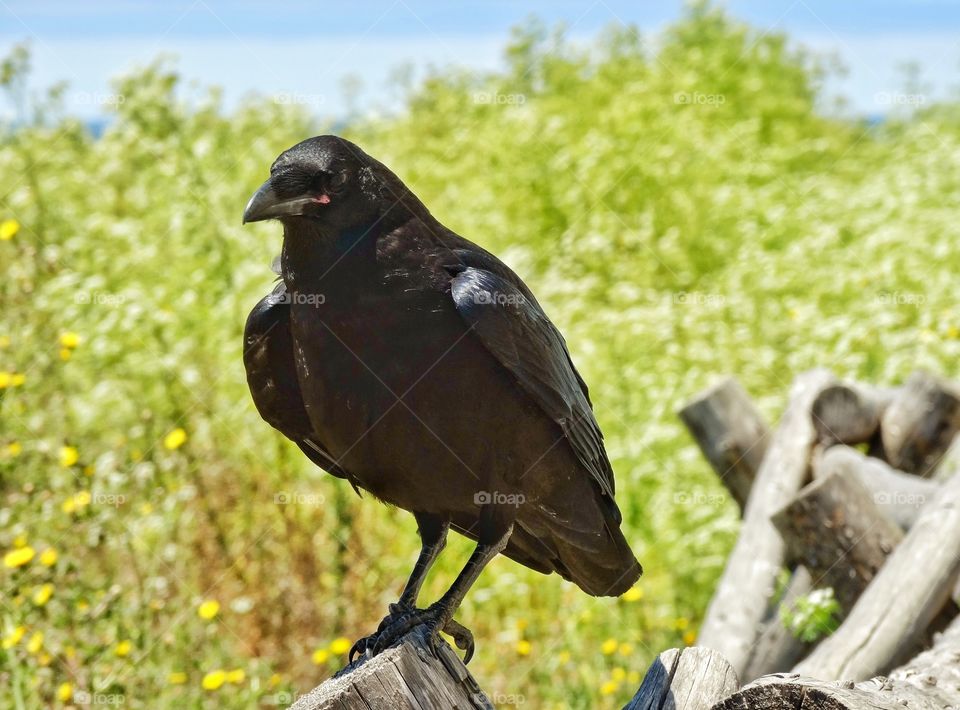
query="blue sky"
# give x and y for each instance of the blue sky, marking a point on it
(305, 49)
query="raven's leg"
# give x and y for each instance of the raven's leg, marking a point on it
(433, 538)
(493, 534)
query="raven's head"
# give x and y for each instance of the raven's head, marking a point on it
(331, 181)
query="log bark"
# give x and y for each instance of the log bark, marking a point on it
(918, 426)
(406, 677)
(834, 529)
(685, 679)
(776, 648)
(901, 496)
(736, 612)
(731, 433)
(849, 413)
(931, 681)
(909, 591)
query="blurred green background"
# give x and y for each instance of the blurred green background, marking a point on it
(682, 210)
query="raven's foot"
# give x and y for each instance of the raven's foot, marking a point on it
(400, 620)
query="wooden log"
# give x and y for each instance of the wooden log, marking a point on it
(849, 413)
(776, 648)
(909, 591)
(736, 612)
(731, 433)
(920, 423)
(899, 495)
(407, 677)
(834, 529)
(685, 679)
(931, 681)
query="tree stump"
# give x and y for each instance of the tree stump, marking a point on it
(685, 679)
(406, 677)
(739, 605)
(731, 434)
(920, 423)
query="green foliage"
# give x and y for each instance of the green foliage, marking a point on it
(681, 211)
(812, 616)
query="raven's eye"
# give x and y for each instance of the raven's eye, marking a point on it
(337, 180)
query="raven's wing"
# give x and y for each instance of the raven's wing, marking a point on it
(272, 376)
(510, 323)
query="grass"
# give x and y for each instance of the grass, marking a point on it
(682, 211)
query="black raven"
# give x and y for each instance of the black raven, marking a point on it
(416, 365)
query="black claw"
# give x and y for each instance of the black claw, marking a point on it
(402, 619)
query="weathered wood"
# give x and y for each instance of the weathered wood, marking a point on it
(833, 528)
(407, 676)
(685, 679)
(899, 495)
(908, 592)
(920, 423)
(731, 433)
(931, 681)
(776, 648)
(849, 413)
(735, 615)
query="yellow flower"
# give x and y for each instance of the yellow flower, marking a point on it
(340, 645)
(123, 648)
(214, 679)
(236, 676)
(625, 649)
(64, 692)
(524, 647)
(36, 642)
(17, 379)
(633, 677)
(9, 229)
(45, 659)
(65, 354)
(690, 638)
(68, 506)
(681, 623)
(14, 448)
(618, 674)
(609, 647)
(275, 680)
(177, 678)
(6, 379)
(42, 594)
(82, 499)
(634, 594)
(146, 509)
(13, 637)
(522, 624)
(320, 656)
(69, 340)
(175, 439)
(563, 657)
(208, 609)
(18, 557)
(68, 456)
(609, 688)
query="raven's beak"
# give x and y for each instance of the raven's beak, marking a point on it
(266, 204)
